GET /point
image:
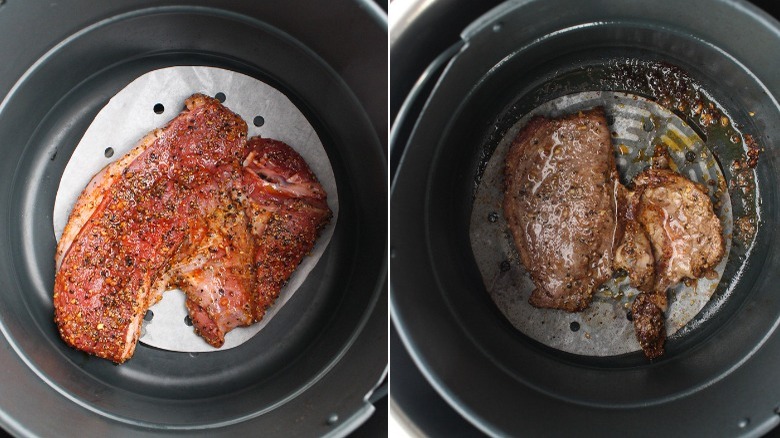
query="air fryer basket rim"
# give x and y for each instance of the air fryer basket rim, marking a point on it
(353, 362)
(446, 331)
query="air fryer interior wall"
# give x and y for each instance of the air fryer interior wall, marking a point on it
(503, 381)
(327, 350)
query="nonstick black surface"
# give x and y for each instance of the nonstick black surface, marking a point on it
(492, 374)
(311, 368)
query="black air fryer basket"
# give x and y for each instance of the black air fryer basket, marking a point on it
(720, 378)
(313, 369)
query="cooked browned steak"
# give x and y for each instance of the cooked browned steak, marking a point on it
(685, 233)
(676, 217)
(573, 222)
(560, 203)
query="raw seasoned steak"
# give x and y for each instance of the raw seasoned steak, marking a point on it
(561, 203)
(194, 206)
(287, 209)
(132, 220)
(214, 265)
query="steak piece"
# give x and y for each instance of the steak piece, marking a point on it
(678, 216)
(685, 237)
(573, 222)
(214, 265)
(635, 256)
(561, 205)
(133, 218)
(194, 206)
(287, 209)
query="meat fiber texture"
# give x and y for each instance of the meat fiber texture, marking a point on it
(148, 103)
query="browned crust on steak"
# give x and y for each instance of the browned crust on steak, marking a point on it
(560, 202)
(677, 217)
